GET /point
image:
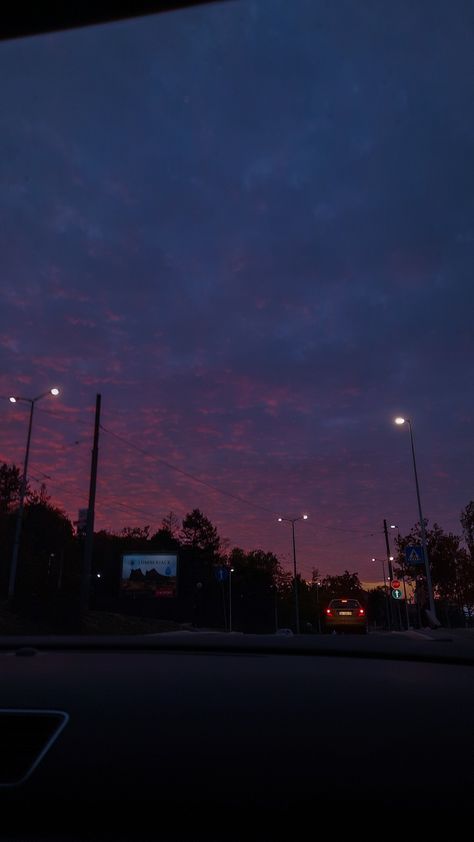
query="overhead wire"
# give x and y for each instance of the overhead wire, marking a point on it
(194, 478)
(215, 488)
(188, 475)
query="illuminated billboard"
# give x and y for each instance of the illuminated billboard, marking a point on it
(150, 574)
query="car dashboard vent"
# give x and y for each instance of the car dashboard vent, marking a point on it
(25, 737)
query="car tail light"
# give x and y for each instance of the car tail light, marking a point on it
(361, 611)
(329, 612)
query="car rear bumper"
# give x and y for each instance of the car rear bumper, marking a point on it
(346, 624)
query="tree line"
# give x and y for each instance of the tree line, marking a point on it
(51, 557)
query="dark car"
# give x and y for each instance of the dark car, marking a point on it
(345, 615)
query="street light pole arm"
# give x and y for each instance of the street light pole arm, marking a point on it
(43, 395)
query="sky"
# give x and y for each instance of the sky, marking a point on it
(250, 228)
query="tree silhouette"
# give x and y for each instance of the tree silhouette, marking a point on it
(10, 485)
(467, 523)
(198, 532)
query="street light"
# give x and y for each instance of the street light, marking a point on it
(399, 420)
(293, 520)
(231, 570)
(19, 517)
(318, 585)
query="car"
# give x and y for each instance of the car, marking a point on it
(345, 615)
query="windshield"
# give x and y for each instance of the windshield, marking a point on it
(344, 603)
(237, 243)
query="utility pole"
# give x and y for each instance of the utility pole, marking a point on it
(88, 544)
(295, 582)
(390, 571)
(293, 520)
(317, 606)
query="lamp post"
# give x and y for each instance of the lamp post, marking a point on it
(318, 585)
(19, 517)
(394, 526)
(294, 520)
(401, 421)
(231, 570)
(385, 589)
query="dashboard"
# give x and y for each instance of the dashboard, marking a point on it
(213, 736)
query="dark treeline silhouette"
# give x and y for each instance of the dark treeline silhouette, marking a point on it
(51, 554)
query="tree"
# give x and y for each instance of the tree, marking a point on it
(170, 523)
(467, 523)
(465, 583)
(40, 497)
(10, 486)
(136, 533)
(377, 606)
(166, 538)
(347, 584)
(199, 533)
(445, 556)
(49, 554)
(254, 587)
(258, 565)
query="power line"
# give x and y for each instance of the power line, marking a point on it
(188, 475)
(194, 478)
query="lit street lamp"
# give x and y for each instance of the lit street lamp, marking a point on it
(19, 518)
(401, 421)
(293, 520)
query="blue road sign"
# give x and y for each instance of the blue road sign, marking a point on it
(396, 593)
(222, 574)
(414, 555)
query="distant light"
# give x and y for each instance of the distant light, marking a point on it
(399, 420)
(55, 391)
(305, 517)
(12, 400)
(392, 526)
(98, 575)
(279, 519)
(391, 558)
(374, 559)
(232, 570)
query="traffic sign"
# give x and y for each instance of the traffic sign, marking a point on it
(222, 574)
(396, 593)
(414, 555)
(395, 584)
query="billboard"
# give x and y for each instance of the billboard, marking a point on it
(150, 574)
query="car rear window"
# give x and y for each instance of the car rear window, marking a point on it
(344, 603)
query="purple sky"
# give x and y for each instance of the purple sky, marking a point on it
(250, 227)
